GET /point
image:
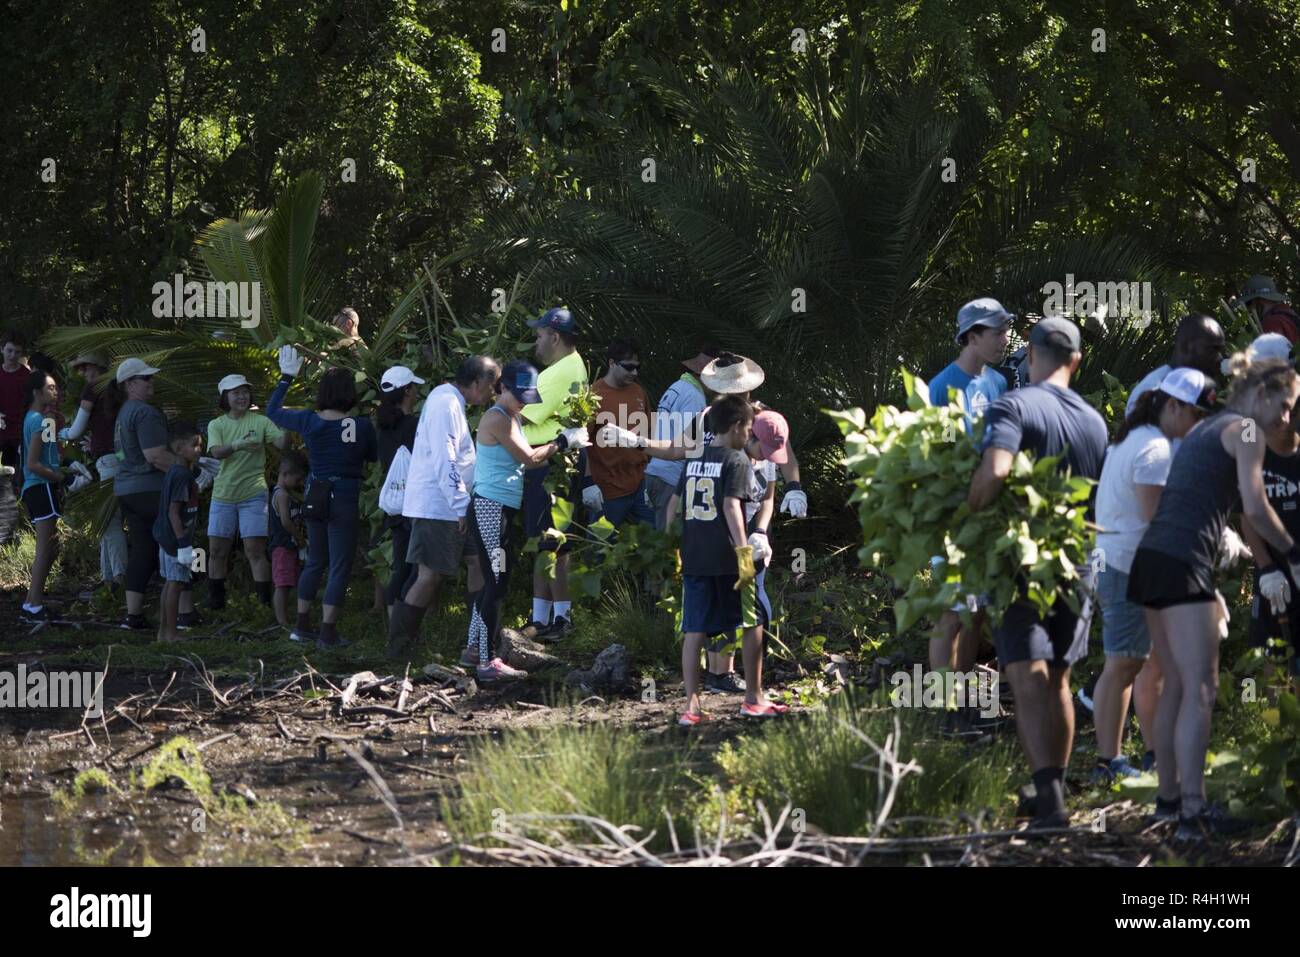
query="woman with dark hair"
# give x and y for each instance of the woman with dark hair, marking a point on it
(239, 439)
(1219, 468)
(96, 415)
(396, 426)
(338, 445)
(42, 490)
(1134, 475)
(502, 456)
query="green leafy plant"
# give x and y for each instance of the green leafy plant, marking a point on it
(911, 475)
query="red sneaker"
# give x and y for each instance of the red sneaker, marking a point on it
(769, 709)
(690, 719)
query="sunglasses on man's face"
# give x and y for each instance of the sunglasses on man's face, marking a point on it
(142, 378)
(630, 366)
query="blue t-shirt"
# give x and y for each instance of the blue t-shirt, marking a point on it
(1044, 419)
(336, 448)
(980, 390)
(178, 486)
(33, 422)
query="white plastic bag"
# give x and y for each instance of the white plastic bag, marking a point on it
(392, 495)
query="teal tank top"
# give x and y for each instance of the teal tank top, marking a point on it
(497, 475)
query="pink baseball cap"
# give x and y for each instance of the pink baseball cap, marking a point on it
(773, 434)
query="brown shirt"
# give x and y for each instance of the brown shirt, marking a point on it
(618, 472)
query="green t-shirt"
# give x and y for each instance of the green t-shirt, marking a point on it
(243, 474)
(555, 383)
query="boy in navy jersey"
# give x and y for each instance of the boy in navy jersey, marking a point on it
(718, 593)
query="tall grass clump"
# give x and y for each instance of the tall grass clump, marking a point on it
(821, 766)
(598, 770)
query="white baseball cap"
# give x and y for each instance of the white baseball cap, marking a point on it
(1271, 345)
(233, 381)
(130, 368)
(398, 377)
(1190, 386)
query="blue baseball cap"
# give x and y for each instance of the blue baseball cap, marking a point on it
(982, 312)
(559, 319)
(519, 378)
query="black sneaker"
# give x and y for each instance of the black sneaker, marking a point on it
(1212, 821)
(556, 630)
(1047, 822)
(324, 645)
(186, 620)
(136, 623)
(1165, 811)
(729, 683)
(530, 631)
(35, 617)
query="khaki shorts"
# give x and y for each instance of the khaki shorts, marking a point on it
(439, 545)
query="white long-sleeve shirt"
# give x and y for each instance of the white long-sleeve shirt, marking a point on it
(441, 474)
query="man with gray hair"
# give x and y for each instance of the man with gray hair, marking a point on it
(437, 493)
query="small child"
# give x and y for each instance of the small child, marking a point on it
(178, 507)
(286, 538)
(718, 589)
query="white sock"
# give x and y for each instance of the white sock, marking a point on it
(562, 609)
(541, 611)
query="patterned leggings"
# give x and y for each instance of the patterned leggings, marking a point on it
(489, 529)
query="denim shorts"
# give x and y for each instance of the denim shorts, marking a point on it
(172, 570)
(247, 518)
(1123, 623)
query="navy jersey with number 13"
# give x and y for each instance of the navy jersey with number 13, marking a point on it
(718, 474)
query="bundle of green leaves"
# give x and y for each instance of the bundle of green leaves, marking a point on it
(911, 471)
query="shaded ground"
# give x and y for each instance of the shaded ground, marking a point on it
(266, 716)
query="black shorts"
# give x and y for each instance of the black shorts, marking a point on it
(1060, 639)
(536, 508)
(43, 502)
(1157, 580)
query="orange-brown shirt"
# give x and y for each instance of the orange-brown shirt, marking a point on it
(618, 472)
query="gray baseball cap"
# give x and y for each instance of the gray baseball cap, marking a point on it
(982, 312)
(1056, 332)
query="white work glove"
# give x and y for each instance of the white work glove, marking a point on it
(795, 504)
(1274, 586)
(185, 556)
(1224, 617)
(593, 499)
(576, 437)
(65, 433)
(762, 548)
(302, 554)
(1232, 549)
(81, 477)
(243, 445)
(107, 466)
(208, 469)
(290, 361)
(612, 436)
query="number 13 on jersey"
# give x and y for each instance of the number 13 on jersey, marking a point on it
(707, 509)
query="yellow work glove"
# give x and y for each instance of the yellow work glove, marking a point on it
(744, 566)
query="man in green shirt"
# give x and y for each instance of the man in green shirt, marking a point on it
(565, 373)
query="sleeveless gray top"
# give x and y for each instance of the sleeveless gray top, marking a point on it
(1199, 496)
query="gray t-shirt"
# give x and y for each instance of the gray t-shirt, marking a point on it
(139, 426)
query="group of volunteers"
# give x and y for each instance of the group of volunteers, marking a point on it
(1184, 461)
(452, 496)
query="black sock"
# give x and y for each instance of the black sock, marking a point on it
(263, 590)
(328, 632)
(1049, 784)
(216, 593)
(304, 622)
